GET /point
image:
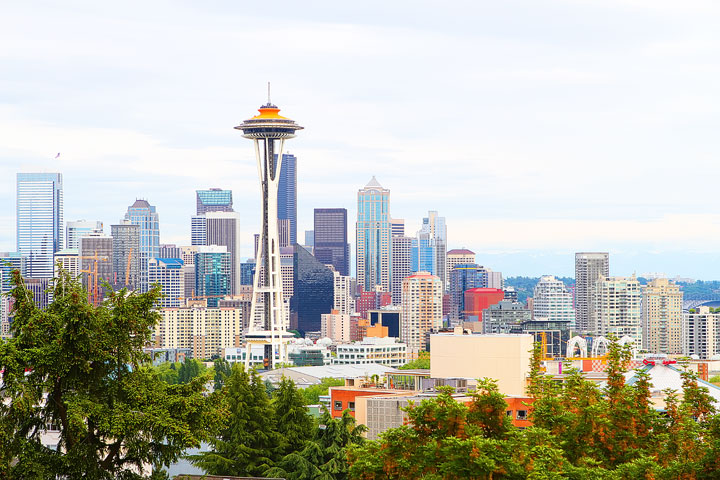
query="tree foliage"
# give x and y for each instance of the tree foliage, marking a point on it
(581, 431)
(312, 393)
(80, 370)
(422, 362)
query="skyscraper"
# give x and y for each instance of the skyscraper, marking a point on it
(662, 317)
(80, 228)
(463, 277)
(287, 194)
(212, 273)
(214, 200)
(421, 309)
(552, 301)
(223, 228)
(423, 250)
(169, 274)
(331, 240)
(10, 261)
(373, 237)
(589, 266)
(400, 265)
(126, 255)
(617, 308)
(314, 291)
(198, 230)
(397, 227)
(144, 215)
(438, 231)
(458, 256)
(39, 220)
(101, 247)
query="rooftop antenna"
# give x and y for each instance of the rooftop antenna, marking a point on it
(269, 94)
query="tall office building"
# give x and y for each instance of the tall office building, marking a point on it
(126, 255)
(422, 300)
(314, 289)
(80, 228)
(617, 308)
(662, 317)
(198, 230)
(169, 274)
(223, 228)
(343, 297)
(68, 260)
(287, 194)
(213, 200)
(170, 250)
(397, 227)
(464, 277)
(424, 251)
(506, 316)
(552, 301)
(309, 238)
(39, 220)
(144, 215)
(400, 265)
(373, 237)
(589, 266)
(101, 247)
(331, 240)
(212, 273)
(438, 231)
(458, 256)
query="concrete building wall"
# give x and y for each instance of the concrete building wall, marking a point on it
(505, 358)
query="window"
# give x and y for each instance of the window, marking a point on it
(521, 415)
(351, 406)
(508, 413)
(338, 405)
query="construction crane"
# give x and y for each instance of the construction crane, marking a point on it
(93, 274)
(127, 270)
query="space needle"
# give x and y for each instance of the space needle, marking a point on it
(268, 131)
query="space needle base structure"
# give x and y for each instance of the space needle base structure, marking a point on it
(268, 131)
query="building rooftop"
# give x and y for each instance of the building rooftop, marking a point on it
(373, 183)
(304, 376)
(140, 204)
(460, 251)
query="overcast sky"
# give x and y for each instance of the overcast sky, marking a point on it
(537, 128)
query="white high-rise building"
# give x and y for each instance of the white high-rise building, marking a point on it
(74, 230)
(617, 308)
(373, 237)
(589, 266)
(700, 333)
(401, 265)
(39, 221)
(422, 302)
(67, 259)
(553, 301)
(662, 317)
(169, 273)
(343, 298)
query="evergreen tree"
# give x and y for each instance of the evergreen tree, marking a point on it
(249, 442)
(221, 369)
(294, 423)
(81, 369)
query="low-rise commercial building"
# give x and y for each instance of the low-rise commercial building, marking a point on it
(380, 350)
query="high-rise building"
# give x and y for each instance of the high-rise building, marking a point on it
(170, 250)
(400, 265)
(187, 254)
(309, 238)
(617, 308)
(269, 131)
(331, 239)
(589, 267)
(101, 247)
(68, 260)
(198, 230)
(206, 331)
(458, 256)
(247, 271)
(373, 237)
(214, 200)
(10, 261)
(287, 194)
(314, 286)
(423, 250)
(168, 273)
(463, 277)
(335, 326)
(479, 299)
(80, 228)
(343, 297)
(223, 228)
(495, 279)
(212, 273)
(284, 232)
(662, 317)
(438, 231)
(144, 215)
(422, 301)
(552, 301)
(371, 300)
(39, 221)
(700, 333)
(126, 255)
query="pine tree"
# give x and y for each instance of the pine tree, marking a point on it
(294, 423)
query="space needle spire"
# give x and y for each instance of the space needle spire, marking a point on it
(268, 131)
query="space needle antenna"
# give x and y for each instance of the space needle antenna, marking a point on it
(269, 94)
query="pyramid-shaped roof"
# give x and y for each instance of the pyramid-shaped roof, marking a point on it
(373, 183)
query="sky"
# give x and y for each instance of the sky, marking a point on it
(537, 128)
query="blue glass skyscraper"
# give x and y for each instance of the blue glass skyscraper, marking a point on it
(144, 215)
(287, 194)
(214, 200)
(39, 220)
(212, 273)
(373, 237)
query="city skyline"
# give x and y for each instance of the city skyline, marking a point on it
(580, 139)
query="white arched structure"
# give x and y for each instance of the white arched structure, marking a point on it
(597, 343)
(579, 343)
(627, 339)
